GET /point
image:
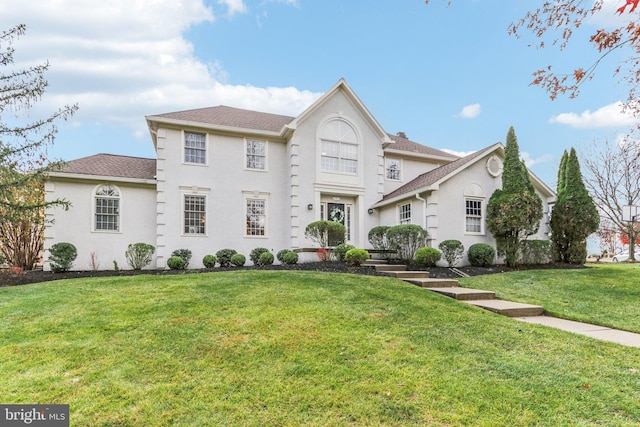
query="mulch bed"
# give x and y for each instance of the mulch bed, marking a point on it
(15, 279)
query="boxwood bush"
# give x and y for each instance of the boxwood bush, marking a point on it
(266, 258)
(356, 256)
(290, 258)
(427, 257)
(280, 255)
(224, 257)
(176, 263)
(238, 260)
(185, 254)
(255, 255)
(340, 251)
(209, 261)
(481, 255)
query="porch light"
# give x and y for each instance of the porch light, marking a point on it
(370, 211)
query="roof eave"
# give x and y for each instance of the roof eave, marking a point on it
(89, 177)
(419, 155)
(213, 127)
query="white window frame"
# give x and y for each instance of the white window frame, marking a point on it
(94, 209)
(265, 156)
(256, 197)
(204, 150)
(387, 168)
(404, 213)
(184, 215)
(471, 213)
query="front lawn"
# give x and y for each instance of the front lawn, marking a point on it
(263, 348)
(604, 294)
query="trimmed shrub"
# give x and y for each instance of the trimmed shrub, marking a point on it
(356, 256)
(266, 258)
(405, 240)
(62, 256)
(238, 260)
(209, 261)
(536, 251)
(281, 254)
(185, 254)
(290, 258)
(481, 255)
(176, 263)
(378, 239)
(224, 257)
(427, 257)
(452, 251)
(325, 233)
(340, 251)
(139, 255)
(255, 254)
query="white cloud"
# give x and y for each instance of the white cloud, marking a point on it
(469, 111)
(609, 116)
(123, 59)
(457, 153)
(234, 6)
(526, 157)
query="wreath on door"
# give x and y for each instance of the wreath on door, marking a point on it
(336, 215)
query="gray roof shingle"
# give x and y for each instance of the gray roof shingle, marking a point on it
(405, 144)
(112, 165)
(435, 175)
(232, 117)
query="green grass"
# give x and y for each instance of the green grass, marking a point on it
(603, 294)
(298, 348)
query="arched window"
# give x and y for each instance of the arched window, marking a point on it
(107, 208)
(339, 147)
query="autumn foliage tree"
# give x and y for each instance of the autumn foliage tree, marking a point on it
(23, 144)
(513, 212)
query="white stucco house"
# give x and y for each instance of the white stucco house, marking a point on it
(230, 178)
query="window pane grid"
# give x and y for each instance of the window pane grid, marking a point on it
(107, 209)
(405, 214)
(393, 169)
(256, 154)
(474, 216)
(194, 215)
(339, 157)
(195, 147)
(256, 217)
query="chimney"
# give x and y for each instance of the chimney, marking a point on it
(402, 135)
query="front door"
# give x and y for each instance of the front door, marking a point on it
(338, 212)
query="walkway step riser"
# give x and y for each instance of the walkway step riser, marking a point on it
(384, 268)
(433, 283)
(409, 274)
(509, 309)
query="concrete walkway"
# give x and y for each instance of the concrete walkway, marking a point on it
(629, 339)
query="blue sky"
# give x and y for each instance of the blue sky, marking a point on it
(449, 77)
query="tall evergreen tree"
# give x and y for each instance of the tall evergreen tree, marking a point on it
(562, 172)
(575, 215)
(513, 212)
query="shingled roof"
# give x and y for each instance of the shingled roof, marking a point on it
(232, 117)
(112, 165)
(429, 178)
(405, 144)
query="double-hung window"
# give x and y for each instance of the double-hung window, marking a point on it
(107, 208)
(392, 167)
(195, 214)
(473, 218)
(256, 152)
(256, 217)
(339, 148)
(404, 213)
(195, 148)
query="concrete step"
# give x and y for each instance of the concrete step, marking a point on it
(392, 267)
(508, 308)
(375, 262)
(427, 282)
(465, 294)
(408, 274)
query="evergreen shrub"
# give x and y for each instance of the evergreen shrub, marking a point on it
(290, 258)
(427, 257)
(176, 263)
(238, 260)
(62, 256)
(452, 251)
(139, 255)
(356, 256)
(224, 257)
(481, 255)
(185, 254)
(255, 254)
(209, 261)
(266, 258)
(340, 251)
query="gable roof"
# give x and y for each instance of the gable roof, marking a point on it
(231, 117)
(436, 176)
(110, 165)
(404, 144)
